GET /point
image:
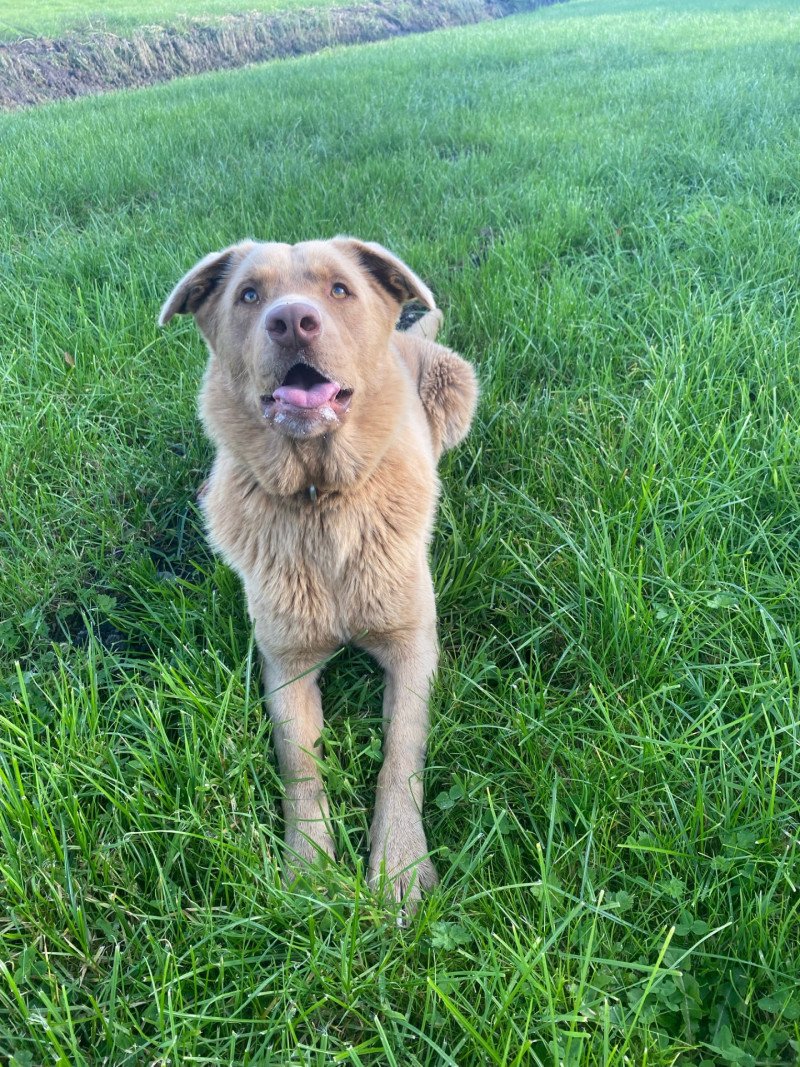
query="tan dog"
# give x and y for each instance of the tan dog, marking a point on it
(328, 425)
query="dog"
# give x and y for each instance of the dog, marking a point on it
(328, 424)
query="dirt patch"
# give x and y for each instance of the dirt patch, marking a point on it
(39, 69)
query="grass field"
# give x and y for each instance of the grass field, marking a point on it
(605, 196)
(20, 19)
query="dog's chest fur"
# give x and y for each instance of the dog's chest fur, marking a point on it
(327, 572)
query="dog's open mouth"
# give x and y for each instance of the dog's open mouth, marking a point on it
(305, 390)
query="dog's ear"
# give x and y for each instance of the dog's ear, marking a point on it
(391, 273)
(194, 288)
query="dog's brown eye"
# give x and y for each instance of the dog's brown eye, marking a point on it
(249, 296)
(340, 291)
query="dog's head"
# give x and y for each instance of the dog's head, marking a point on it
(302, 331)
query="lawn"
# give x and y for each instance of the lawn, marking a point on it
(20, 19)
(605, 197)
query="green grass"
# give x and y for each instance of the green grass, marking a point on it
(604, 196)
(20, 19)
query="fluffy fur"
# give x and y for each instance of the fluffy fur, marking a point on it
(326, 516)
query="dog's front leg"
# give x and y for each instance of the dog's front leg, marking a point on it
(296, 710)
(398, 846)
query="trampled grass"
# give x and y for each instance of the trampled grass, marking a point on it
(604, 196)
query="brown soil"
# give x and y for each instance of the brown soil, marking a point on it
(39, 69)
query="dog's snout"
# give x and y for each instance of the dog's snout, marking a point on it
(293, 325)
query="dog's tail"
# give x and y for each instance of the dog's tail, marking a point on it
(428, 326)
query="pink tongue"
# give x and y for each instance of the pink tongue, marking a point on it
(314, 397)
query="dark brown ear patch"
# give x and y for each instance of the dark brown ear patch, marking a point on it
(204, 285)
(388, 277)
(194, 288)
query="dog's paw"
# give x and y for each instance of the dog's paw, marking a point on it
(399, 865)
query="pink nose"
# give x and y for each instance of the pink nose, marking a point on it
(293, 325)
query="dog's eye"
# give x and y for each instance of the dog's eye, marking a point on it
(340, 291)
(249, 296)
